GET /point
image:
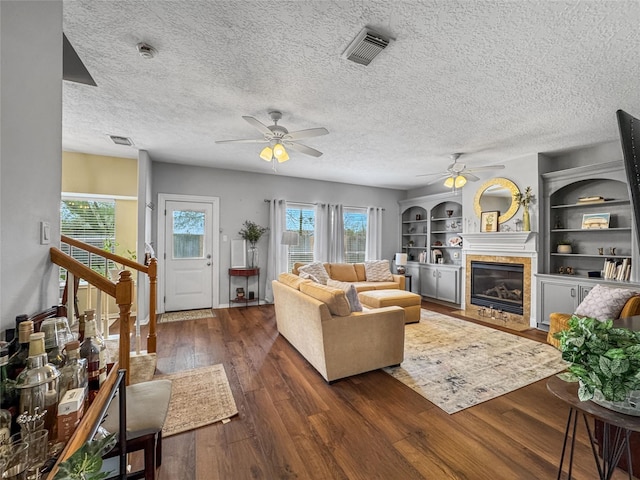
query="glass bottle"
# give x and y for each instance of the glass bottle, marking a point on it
(90, 350)
(38, 384)
(74, 372)
(49, 327)
(102, 344)
(18, 361)
(8, 400)
(5, 425)
(81, 326)
(11, 335)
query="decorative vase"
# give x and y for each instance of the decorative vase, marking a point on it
(629, 406)
(564, 249)
(252, 256)
(526, 221)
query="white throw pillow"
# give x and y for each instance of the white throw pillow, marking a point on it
(604, 303)
(308, 275)
(378, 271)
(350, 291)
(317, 270)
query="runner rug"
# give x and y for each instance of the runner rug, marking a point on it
(199, 397)
(456, 364)
(185, 315)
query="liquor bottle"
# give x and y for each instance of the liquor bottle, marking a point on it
(38, 384)
(49, 327)
(81, 326)
(11, 335)
(5, 425)
(8, 399)
(74, 372)
(90, 350)
(18, 360)
(99, 339)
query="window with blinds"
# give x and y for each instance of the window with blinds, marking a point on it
(301, 219)
(91, 221)
(355, 234)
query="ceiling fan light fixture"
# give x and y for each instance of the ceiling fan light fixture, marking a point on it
(266, 154)
(448, 182)
(460, 181)
(280, 153)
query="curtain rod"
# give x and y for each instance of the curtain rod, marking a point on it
(266, 200)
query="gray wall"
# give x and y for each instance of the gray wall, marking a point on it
(30, 153)
(242, 198)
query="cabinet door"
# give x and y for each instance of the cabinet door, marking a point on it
(414, 271)
(448, 285)
(583, 290)
(429, 281)
(557, 297)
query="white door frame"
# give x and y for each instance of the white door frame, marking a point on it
(163, 198)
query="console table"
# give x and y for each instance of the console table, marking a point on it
(246, 273)
(614, 445)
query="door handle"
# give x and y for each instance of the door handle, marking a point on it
(208, 264)
(573, 292)
(209, 256)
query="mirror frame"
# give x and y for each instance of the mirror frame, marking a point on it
(502, 182)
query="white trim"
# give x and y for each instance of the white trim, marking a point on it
(163, 198)
(100, 196)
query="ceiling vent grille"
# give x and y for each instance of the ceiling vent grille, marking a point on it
(121, 140)
(366, 46)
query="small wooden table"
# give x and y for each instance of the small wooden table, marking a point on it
(613, 447)
(246, 273)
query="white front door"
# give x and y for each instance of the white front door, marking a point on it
(189, 266)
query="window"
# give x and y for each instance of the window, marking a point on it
(301, 219)
(355, 234)
(91, 221)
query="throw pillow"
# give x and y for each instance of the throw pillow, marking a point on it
(604, 303)
(317, 270)
(309, 276)
(350, 291)
(378, 271)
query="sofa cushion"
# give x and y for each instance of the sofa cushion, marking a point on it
(343, 272)
(361, 273)
(350, 291)
(291, 280)
(604, 303)
(333, 297)
(317, 270)
(378, 271)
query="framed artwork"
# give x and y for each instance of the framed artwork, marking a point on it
(595, 221)
(238, 253)
(489, 221)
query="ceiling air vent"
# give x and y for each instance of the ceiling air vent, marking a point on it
(121, 140)
(366, 46)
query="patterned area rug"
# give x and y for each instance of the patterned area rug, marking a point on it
(199, 397)
(457, 364)
(185, 315)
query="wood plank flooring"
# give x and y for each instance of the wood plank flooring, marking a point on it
(293, 425)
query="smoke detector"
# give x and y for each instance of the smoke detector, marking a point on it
(146, 51)
(366, 46)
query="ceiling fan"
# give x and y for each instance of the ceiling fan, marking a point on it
(279, 137)
(457, 174)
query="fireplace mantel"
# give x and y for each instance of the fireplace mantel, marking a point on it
(500, 241)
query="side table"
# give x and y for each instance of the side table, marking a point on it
(613, 446)
(246, 273)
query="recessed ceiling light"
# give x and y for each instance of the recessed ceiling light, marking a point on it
(146, 51)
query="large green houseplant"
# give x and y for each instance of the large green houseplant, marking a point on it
(605, 359)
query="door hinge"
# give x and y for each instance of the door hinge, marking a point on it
(165, 255)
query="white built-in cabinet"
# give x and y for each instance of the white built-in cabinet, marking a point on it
(431, 228)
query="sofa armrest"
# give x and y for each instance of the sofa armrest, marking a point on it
(557, 323)
(399, 279)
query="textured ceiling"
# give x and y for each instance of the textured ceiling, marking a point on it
(493, 79)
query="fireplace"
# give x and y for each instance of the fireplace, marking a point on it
(497, 285)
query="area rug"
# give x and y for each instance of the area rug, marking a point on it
(185, 315)
(456, 364)
(199, 397)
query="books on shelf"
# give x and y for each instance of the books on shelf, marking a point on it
(592, 199)
(619, 270)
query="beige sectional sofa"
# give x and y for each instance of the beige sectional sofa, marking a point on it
(355, 273)
(318, 322)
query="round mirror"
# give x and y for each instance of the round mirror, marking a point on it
(497, 194)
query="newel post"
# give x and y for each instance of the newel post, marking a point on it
(124, 297)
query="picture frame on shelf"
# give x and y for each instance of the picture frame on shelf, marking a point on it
(489, 221)
(595, 221)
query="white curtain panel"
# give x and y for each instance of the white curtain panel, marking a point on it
(336, 234)
(277, 255)
(373, 249)
(321, 233)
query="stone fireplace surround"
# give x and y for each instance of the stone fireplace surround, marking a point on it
(502, 247)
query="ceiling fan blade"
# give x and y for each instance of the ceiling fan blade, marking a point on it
(482, 169)
(245, 140)
(311, 132)
(259, 125)
(440, 174)
(303, 149)
(438, 179)
(470, 176)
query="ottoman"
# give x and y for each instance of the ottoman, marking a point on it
(410, 302)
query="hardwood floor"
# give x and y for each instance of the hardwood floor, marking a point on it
(291, 424)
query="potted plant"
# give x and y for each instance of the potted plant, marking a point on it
(525, 199)
(605, 360)
(86, 462)
(564, 246)
(252, 232)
